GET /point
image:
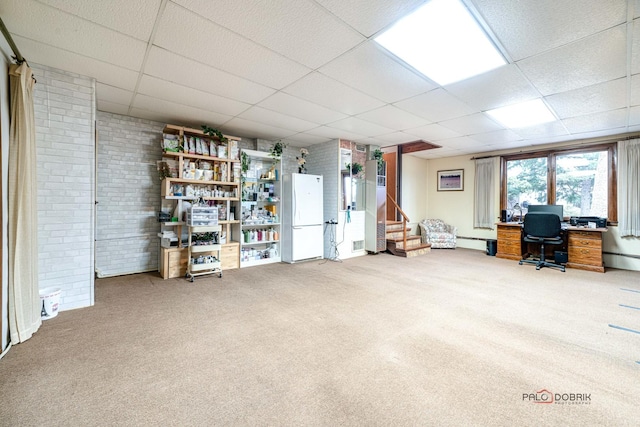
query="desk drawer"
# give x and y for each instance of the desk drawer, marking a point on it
(585, 240)
(585, 255)
(510, 247)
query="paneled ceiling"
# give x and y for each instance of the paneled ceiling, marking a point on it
(308, 71)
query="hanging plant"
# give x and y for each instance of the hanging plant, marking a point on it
(356, 168)
(377, 156)
(245, 162)
(276, 149)
(214, 133)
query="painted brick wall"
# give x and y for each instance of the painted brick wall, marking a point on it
(323, 159)
(128, 195)
(64, 105)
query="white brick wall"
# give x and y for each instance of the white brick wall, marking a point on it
(323, 159)
(128, 195)
(64, 105)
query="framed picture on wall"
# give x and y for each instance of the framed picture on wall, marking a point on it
(452, 180)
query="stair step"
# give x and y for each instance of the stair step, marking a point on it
(412, 242)
(410, 252)
(397, 234)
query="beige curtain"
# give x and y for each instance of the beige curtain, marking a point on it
(24, 298)
(484, 215)
(629, 188)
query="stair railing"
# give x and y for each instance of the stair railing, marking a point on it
(405, 219)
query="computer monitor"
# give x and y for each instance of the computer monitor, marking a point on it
(556, 209)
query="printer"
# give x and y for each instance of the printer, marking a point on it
(583, 221)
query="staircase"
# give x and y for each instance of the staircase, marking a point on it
(396, 243)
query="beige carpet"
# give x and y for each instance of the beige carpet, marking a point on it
(453, 338)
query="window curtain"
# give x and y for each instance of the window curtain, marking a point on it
(484, 215)
(24, 298)
(629, 188)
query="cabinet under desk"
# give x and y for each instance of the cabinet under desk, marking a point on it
(583, 245)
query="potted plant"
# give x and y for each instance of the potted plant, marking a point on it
(276, 149)
(356, 168)
(377, 156)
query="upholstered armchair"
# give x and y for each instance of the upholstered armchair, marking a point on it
(438, 234)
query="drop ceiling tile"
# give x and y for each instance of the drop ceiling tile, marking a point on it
(161, 117)
(433, 132)
(112, 107)
(496, 137)
(593, 60)
(597, 121)
(610, 95)
(397, 138)
(435, 106)
(133, 18)
(329, 93)
(529, 27)
(634, 116)
(545, 130)
(113, 94)
(461, 143)
(304, 140)
(33, 20)
(635, 48)
(298, 24)
(497, 88)
(370, 69)
(300, 108)
(273, 118)
(474, 123)
(185, 113)
(370, 16)
(359, 126)
(169, 66)
(40, 53)
(393, 117)
(257, 130)
(168, 91)
(188, 34)
(333, 133)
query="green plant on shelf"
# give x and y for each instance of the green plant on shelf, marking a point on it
(277, 149)
(356, 168)
(214, 133)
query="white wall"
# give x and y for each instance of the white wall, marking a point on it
(128, 195)
(64, 105)
(414, 197)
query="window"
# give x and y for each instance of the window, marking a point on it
(582, 180)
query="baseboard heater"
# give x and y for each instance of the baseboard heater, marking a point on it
(473, 238)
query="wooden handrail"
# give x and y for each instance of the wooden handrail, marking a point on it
(405, 219)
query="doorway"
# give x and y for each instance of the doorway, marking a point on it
(391, 159)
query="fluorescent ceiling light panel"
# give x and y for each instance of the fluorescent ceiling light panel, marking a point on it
(443, 41)
(525, 114)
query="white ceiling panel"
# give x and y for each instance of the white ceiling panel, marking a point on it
(462, 142)
(497, 136)
(433, 132)
(528, 27)
(112, 75)
(307, 25)
(334, 133)
(597, 59)
(359, 126)
(305, 139)
(185, 113)
(133, 18)
(113, 94)
(393, 117)
(593, 122)
(474, 123)
(260, 130)
(112, 107)
(635, 48)
(397, 138)
(634, 116)
(546, 130)
(39, 22)
(211, 44)
(436, 106)
(373, 71)
(300, 108)
(329, 93)
(169, 66)
(370, 16)
(273, 118)
(610, 95)
(168, 91)
(503, 86)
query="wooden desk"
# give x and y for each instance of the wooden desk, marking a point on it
(583, 245)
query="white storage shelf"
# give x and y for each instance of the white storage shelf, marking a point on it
(196, 251)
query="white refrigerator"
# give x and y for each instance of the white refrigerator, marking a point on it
(302, 217)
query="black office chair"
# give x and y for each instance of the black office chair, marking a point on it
(543, 228)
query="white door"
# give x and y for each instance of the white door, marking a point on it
(307, 200)
(307, 242)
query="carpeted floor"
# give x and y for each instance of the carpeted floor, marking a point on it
(453, 338)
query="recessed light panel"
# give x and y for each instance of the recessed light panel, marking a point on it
(525, 114)
(443, 41)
